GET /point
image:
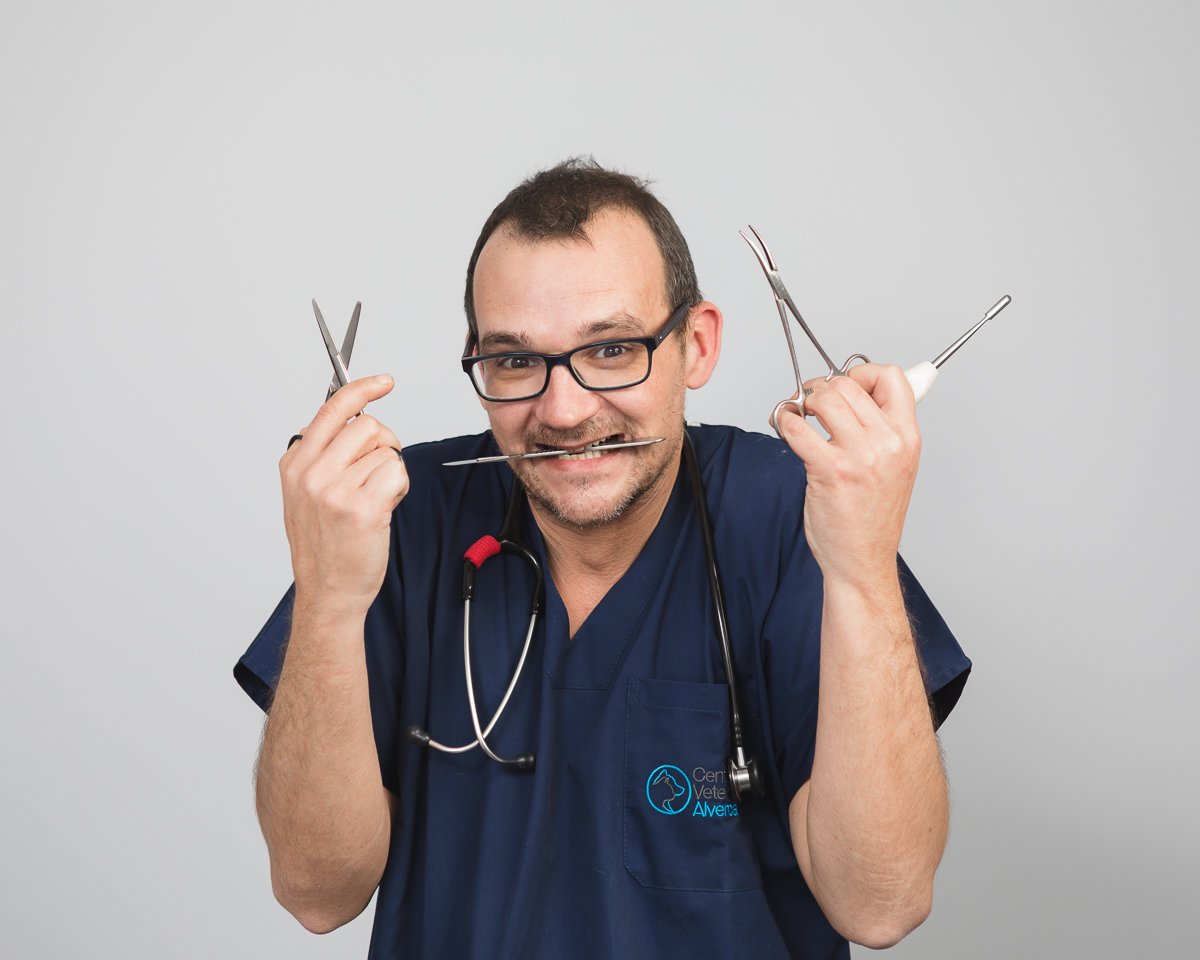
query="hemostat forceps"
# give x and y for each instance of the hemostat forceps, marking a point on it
(538, 454)
(920, 377)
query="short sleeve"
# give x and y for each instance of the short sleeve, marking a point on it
(945, 666)
(258, 670)
(793, 680)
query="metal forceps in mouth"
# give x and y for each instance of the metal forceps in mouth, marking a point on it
(920, 377)
(538, 454)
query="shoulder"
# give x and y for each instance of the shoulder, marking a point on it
(437, 492)
(748, 472)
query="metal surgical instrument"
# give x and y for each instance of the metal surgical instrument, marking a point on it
(554, 453)
(339, 359)
(920, 377)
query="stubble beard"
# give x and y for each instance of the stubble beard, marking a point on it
(650, 468)
(643, 480)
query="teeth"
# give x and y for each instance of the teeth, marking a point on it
(589, 454)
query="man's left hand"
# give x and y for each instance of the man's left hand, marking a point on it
(860, 480)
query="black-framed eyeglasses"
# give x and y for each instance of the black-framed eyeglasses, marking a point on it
(602, 365)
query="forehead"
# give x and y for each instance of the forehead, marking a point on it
(552, 289)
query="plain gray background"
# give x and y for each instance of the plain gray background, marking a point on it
(177, 180)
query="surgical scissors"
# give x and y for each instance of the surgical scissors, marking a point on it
(920, 377)
(339, 359)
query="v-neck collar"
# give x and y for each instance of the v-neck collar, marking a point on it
(589, 661)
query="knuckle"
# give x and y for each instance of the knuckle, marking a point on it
(340, 504)
(311, 487)
(841, 471)
(845, 385)
(328, 410)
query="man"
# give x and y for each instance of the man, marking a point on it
(626, 838)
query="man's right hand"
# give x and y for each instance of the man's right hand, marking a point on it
(341, 482)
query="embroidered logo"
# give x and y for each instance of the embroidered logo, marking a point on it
(668, 789)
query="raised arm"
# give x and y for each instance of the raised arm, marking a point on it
(324, 811)
(870, 825)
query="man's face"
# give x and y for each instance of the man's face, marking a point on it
(553, 296)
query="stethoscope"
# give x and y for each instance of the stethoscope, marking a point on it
(744, 774)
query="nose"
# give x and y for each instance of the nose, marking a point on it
(566, 404)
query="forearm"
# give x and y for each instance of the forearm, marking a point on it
(321, 803)
(877, 811)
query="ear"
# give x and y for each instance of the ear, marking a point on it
(703, 343)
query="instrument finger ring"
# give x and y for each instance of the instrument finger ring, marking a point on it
(795, 404)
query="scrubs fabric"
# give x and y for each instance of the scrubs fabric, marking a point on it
(625, 840)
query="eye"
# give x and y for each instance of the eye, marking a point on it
(611, 352)
(519, 363)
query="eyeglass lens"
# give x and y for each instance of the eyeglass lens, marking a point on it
(520, 375)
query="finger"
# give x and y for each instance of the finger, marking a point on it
(802, 436)
(870, 417)
(382, 476)
(831, 410)
(889, 388)
(355, 441)
(332, 415)
(357, 474)
(389, 479)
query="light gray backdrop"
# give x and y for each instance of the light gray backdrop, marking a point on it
(177, 180)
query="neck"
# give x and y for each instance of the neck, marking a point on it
(586, 562)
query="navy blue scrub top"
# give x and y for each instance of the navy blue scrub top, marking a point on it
(625, 840)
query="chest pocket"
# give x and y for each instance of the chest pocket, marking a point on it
(683, 829)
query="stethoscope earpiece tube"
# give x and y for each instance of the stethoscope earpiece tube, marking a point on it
(475, 557)
(744, 775)
(477, 554)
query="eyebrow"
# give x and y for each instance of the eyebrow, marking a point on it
(617, 324)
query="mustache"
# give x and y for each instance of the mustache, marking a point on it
(573, 438)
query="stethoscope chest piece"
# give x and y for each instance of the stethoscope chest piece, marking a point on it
(744, 776)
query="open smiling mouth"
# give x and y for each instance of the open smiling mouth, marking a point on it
(596, 448)
(590, 451)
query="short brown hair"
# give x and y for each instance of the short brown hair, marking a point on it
(557, 203)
